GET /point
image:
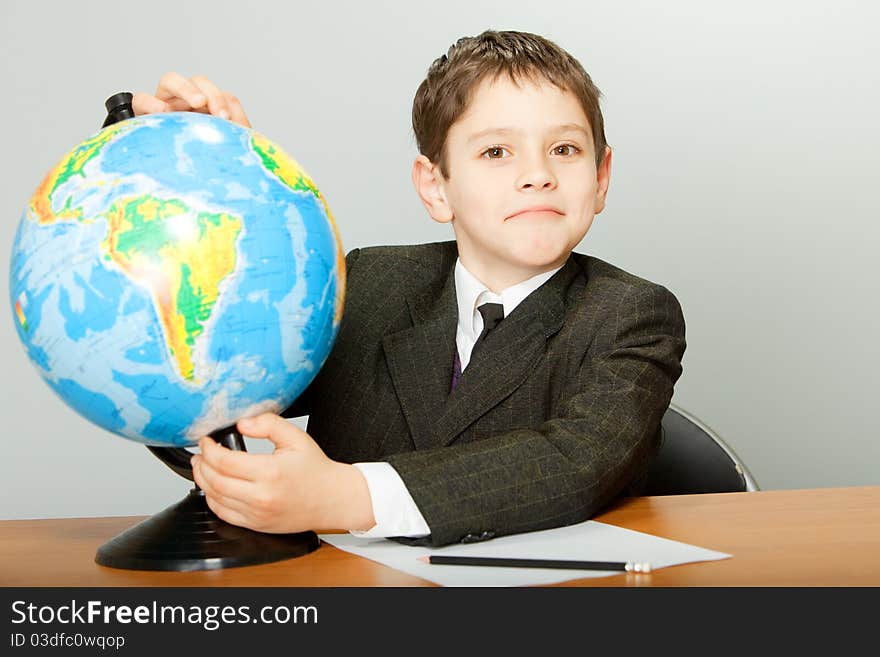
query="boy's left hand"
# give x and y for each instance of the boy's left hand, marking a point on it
(296, 488)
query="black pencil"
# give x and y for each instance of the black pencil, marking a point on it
(627, 566)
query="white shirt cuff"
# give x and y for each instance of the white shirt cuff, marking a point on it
(395, 511)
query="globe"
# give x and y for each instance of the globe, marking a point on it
(174, 273)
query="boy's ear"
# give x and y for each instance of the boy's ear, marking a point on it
(603, 178)
(428, 182)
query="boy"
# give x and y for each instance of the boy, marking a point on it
(496, 384)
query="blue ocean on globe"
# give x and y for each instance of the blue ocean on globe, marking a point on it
(174, 273)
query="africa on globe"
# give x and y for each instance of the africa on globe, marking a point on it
(176, 272)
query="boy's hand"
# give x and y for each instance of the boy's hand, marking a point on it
(294, 489)
(175, 93)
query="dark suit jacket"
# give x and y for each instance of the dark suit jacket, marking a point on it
(558, 412)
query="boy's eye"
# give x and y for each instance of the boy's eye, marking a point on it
(493, 152)
(561, 150)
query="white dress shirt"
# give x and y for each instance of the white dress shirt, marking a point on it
(395, 511)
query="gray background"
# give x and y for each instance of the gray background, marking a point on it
(745, 143)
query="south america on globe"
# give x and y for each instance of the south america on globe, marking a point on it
(174, 273)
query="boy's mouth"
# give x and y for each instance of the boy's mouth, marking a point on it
(536, 211)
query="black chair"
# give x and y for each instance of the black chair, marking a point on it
(694, 459)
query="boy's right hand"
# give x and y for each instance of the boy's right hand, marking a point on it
(176, 93)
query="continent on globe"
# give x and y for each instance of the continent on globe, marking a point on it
(72, 165)
(181, 256)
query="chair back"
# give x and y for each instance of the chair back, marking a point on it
(694, 459)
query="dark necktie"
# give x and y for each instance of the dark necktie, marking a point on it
(492, 314)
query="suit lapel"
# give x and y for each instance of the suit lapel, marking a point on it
(420, 358)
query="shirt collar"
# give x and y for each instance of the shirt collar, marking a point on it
(471, 293)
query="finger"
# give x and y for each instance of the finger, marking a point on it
(174, 85)
(143, 103)
(231, 489)
(241, 465)
(274, 427)
(216, 98)
(232, 516)
(236, 111)
(180, 105)
(211, 495)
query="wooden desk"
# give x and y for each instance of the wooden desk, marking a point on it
(817, 537)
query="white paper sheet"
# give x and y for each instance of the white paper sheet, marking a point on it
(587, 541)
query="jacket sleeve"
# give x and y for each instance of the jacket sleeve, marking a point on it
(302, 405)
(572, 465)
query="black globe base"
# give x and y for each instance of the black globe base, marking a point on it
(188, 536)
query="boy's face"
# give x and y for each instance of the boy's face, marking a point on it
(516, 148)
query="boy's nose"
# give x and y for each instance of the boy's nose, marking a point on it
(537, 175)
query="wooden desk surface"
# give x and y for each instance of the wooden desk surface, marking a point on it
(815, 537)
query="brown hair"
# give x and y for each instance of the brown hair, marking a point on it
(445, 92)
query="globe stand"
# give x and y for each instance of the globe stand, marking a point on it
(189, 536)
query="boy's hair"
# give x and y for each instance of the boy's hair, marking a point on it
(445, 92)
